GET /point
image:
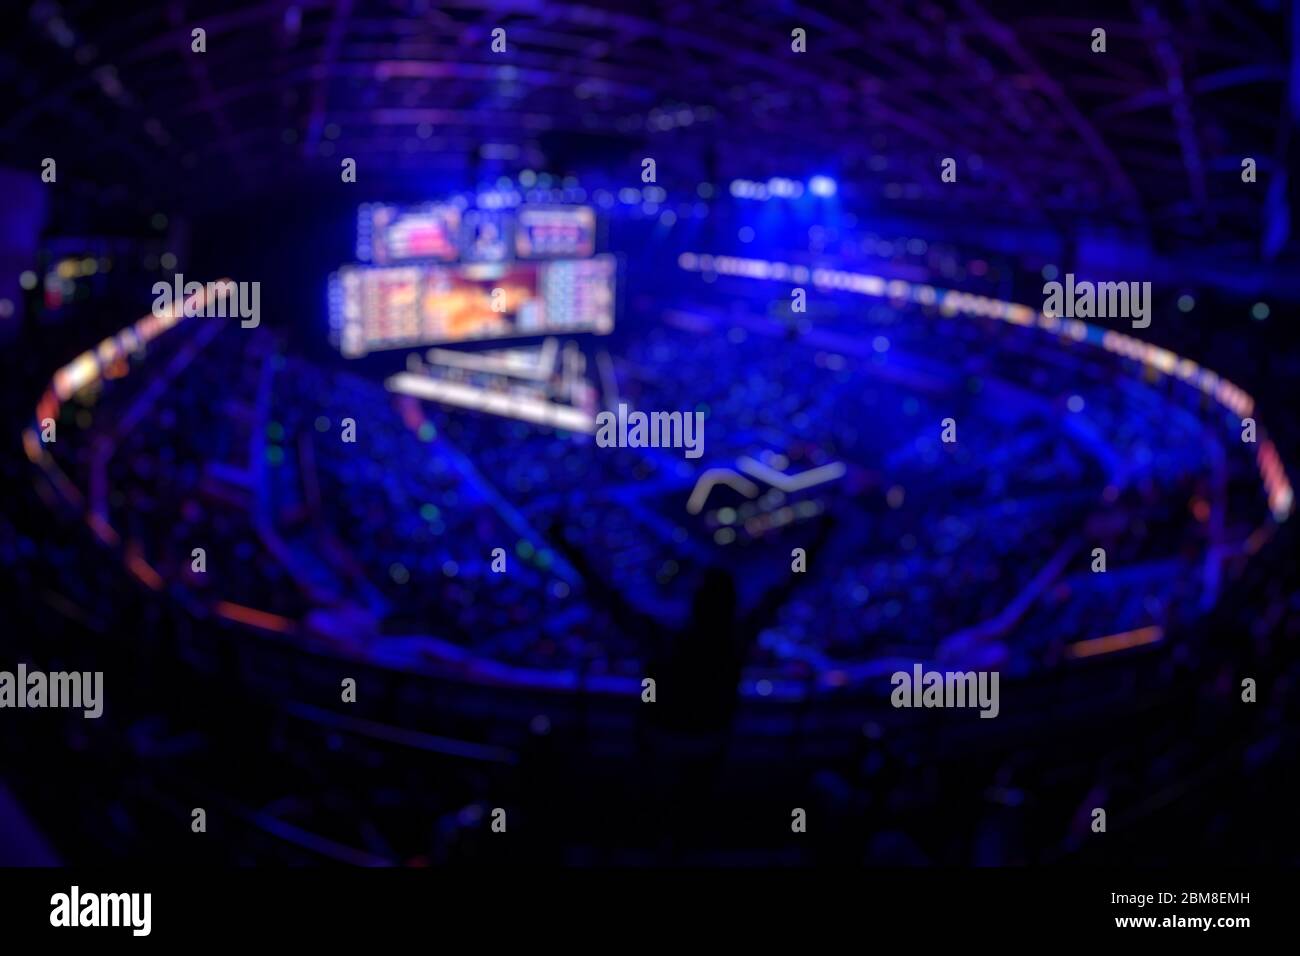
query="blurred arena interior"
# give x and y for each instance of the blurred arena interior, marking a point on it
(437, 335)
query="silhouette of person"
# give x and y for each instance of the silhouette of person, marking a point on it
(697, 670)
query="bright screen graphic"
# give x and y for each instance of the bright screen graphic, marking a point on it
(420, 232)
(555, 232)
(375, 308)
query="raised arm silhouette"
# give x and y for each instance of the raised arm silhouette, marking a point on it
(697, 667)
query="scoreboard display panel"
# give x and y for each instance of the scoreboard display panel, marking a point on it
(373, 308)
(555, 232)
(429, 231)
(446, 232)
(457, 271)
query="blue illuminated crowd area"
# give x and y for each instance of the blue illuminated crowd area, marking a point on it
(1058, 447)
(373, 559)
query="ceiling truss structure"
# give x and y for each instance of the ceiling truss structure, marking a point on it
(1149, 135)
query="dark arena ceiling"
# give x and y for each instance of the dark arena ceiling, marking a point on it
(1149, 135)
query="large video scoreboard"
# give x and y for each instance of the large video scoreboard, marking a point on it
(440, 272)
(389, 307)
